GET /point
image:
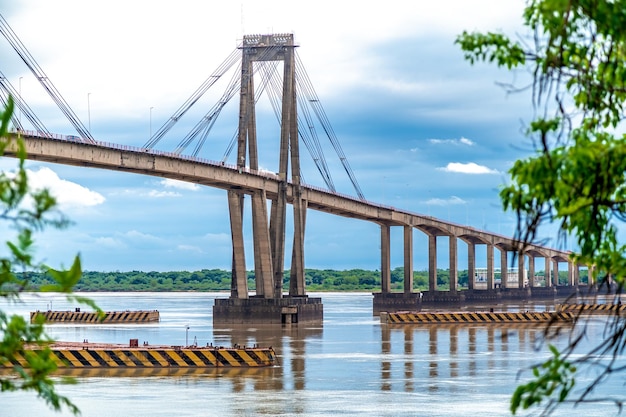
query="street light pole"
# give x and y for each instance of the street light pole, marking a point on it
(186, 335)
(150, 123)
(20, 94)
(88, 112)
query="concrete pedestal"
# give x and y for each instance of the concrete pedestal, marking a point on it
(566, 291)
(393, 302)
(544, 292)
(443, 297)
(258, 311)
(482, 296)
(516, 293)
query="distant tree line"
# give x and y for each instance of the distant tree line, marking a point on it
(219, 280)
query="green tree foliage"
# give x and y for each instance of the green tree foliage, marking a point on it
(28, 211)
(576, 53)
(210, 280)
(219, 280)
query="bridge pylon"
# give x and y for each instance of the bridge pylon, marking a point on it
(269, 305)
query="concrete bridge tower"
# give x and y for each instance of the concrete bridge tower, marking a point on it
(269, 305)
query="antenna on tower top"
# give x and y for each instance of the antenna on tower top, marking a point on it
(242, 25)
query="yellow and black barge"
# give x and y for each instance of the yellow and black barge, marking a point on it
(94, 317)
(86, 355)
(467, 317)
(593, 309)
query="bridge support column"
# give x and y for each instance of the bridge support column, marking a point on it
(239, 279)
(290, 143)
(386, 300)
(471, 265)
(432, 264)
(539, 291)
(504, 267)
(262, 252)
(547, 275)
(452, 296)
(490, 274)
(408, 259)
(454, 276)
(277, 238)
(296, 277)
(531, 271)
(555, 276)
(521, 270)
(385, 258)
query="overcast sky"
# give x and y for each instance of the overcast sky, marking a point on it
(422, 129)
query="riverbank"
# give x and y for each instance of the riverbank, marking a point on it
(322, 280)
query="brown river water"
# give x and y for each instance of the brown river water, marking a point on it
(350, 365)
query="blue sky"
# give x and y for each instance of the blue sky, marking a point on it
(422, 129)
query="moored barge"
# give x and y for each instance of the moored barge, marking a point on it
(94, 317)
(86, 355)
(607, 309)
(467, 317)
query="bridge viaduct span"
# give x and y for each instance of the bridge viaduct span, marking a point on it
(61, 150)
(269, 304)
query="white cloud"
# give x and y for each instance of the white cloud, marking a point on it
(454, 200)
(263, 170)
(466, 141)
(122, 239)
(189, 248)
(109, 242)
(461, 141)
(68, 194)
(181, 185)
(141, 25)
(136, 235)
(161, 194)
(144, 193)
(407, 88)
(468, 168)
(217, 237)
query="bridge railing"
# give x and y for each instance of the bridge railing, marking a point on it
(110, 145)
(195, 159)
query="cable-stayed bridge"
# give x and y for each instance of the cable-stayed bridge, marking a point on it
(258, 59)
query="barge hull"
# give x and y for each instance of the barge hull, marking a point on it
(475, 317)
(93, 317)
(86, 355)
(608, 309)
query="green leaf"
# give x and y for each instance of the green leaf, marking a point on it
(65, 280)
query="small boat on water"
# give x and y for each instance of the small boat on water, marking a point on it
(74, 355)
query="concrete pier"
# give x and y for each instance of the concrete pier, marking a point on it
(414, 301)
(396, 301)
(259, 311)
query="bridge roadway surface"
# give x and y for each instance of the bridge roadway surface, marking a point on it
(70, 151)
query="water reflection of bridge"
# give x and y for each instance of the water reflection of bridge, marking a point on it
(289, 344)
(452, 351)
(413, 358)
